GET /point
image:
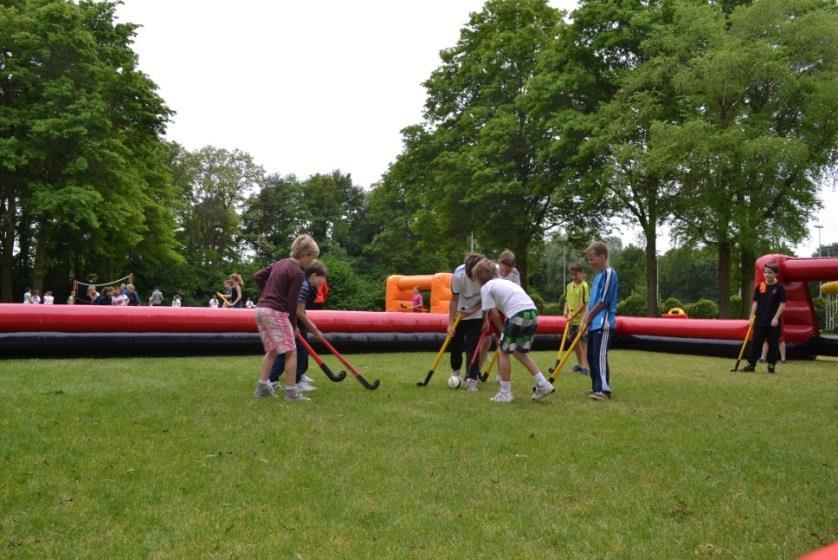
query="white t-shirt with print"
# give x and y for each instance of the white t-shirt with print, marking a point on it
(467, 290)
(507, 297)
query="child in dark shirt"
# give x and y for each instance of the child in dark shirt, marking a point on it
(276, 313)
(766, 311)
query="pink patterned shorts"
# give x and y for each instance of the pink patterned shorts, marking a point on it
(275, 330)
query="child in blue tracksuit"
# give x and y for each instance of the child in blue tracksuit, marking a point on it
(600, 319)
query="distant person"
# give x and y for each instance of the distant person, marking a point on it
(322, 296)
(276, 314)
(417, 303)
(506, 267)
(315, 275)
(34, 297)
(213, 302)
(106, 297)
(769, 302)
(119, 298)
(92, 294)
(27, 296)
(512, 312)
(49, 299)
(176, 300)
(132, 295)
(465, 292)
(600, 319)
(577, 295)
(156, 298)
(236, 298)
(249, 304)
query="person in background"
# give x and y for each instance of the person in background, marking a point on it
(769, 302)
(249, 304)
(577, 295)
(506, 267)
(156, 298)
(213, 302)
(49, 299)
(131, 294)
(417, 304)
(92, 295)
(119, 298)
(27, 296)
(106, 297)
(176, 300)
(34, 297)
(237, 296)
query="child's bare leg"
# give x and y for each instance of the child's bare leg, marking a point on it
(582, 354)
(291, 365)
(504, 368)
(527, 362)
(267, 364)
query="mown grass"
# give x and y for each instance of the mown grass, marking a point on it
(172, 458)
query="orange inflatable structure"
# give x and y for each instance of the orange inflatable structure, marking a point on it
(398, 296)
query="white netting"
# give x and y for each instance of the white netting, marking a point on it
(81, 294)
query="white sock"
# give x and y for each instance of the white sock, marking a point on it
(264, 382)
(505, 386)
(539, 379)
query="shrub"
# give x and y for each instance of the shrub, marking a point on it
(702, 309)
(553, 309)
(736, 307)
(632, 306)
(819, 304)
(671, 303)
(538, 300)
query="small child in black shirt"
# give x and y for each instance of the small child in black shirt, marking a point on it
(766, 311)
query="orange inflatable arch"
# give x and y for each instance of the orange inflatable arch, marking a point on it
(398, 296)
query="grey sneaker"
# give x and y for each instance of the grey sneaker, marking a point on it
(502, 397)
(306, 379)
(471, 385)
(584, 371)
(576, 369)
(599, 396)
(293, 394)
(543, 391)
(264, 390)
(276, 386)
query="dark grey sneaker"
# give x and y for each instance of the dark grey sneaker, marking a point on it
(264, 390)
(770, 368)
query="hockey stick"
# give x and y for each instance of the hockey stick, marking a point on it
(336, 378)
(555, 371)
(744, 344)
(371, 386)
(564, 339)
(442, 350)
(491, 365)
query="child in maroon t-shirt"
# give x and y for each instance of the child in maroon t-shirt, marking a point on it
(276, 313)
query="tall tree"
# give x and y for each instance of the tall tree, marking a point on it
(81, 154)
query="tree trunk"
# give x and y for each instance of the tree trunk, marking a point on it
(39, 266)
(724, 279)
(7, 218)
(522, 264)
(651, 275)
(746, 262)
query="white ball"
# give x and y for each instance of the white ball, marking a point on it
(455, 382)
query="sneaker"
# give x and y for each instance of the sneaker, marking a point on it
(276, 386)
(294, 395)
(306, 379)
(543, 391)
(304, 387)
(502, 397)
(782, 361)
(762, 360)
(770, 368)
(264, 390)
(585, 372)
(471, 385)
(576, 369)
(598, 396)
(748, 369)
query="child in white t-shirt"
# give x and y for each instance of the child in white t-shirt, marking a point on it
(499, 296)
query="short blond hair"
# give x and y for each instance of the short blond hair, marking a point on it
(507, 257)
(484, 271)
(598, 248)
(303, 246)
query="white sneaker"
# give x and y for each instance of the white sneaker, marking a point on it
(306, 379)
(502, 397)
(276, 386)
(543, 391)
(471, 385)
(304, 387)
(295, 395)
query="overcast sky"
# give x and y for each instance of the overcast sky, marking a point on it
(310, 87)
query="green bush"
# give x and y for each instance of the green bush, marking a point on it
(671, 303)
(736, 307)
(348, 290)
(632, 306)
(553, 309)
(538, 300)
(820, 311)
(702, 309)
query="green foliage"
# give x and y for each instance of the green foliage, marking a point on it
(538, 300)
(671, 303)
(630, 267)
(553, 309)
(737, 312)
(348, 290)
(702, 309)
(819, 304)
(633, 306)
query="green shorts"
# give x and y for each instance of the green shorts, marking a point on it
(519, 332)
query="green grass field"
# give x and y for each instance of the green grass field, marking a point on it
(173, 458)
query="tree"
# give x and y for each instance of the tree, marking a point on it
(271, 218)
(82, 163)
